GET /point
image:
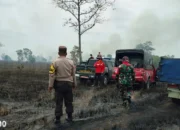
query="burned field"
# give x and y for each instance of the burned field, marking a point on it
(26, 104)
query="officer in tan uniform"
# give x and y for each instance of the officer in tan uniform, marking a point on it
(62, 79)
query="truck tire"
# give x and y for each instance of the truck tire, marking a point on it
(105, 80)
(143, 85)
(176, 101)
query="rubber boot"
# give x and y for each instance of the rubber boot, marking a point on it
(69, 119)
(57, 122)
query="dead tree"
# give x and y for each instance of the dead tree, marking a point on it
(85, 14)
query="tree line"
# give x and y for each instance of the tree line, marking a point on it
(25, 55)
(146, 46)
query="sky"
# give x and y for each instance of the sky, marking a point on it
(38, 25)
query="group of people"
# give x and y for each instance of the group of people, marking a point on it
(91, 56)
(62, 79)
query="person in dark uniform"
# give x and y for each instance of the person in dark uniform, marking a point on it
(91, 57)
(62, 78)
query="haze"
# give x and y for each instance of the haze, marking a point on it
(38, 25)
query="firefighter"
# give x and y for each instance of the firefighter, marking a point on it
(62, 78)
(99, 70)
(126, 78)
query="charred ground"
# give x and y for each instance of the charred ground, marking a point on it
(25, 104)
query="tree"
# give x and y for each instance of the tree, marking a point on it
(169, 56)
(29, 55)
(25, 54)
(31, 59)
(109, 56)
(20, 55)
(6, 57)
(156, 60)
(85, 14)
(41, 59)
(147, 46)
(75, 54)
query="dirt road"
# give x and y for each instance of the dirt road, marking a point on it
(26, 105)
(150, 111)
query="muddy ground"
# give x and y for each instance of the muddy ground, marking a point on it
(26, 105)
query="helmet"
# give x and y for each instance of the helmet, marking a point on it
(125, 58)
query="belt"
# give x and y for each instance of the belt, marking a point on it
(62, 82)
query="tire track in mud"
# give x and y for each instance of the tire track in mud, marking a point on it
(98, 109)
(152, 104)
(120, 118)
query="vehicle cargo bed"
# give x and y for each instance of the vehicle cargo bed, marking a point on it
(169, 70)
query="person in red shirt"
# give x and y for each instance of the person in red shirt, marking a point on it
(99, 69)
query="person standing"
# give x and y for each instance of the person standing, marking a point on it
(99, 69)
(62, 79)
(99, 55)
(126, 78)
(91, 57)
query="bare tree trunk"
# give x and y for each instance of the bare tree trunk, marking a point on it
(79, 31)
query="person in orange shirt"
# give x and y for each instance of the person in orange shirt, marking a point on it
(99, 70)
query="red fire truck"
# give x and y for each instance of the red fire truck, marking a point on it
(142, 62)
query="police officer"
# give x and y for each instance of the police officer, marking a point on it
(62, 78)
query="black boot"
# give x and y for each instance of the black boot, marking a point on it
(57, 120)
(69, 119)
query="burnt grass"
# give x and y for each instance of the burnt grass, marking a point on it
(150, 122)
(27, 90)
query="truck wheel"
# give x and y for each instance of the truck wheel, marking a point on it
(105, 80)
(176, 101)
(142, 85)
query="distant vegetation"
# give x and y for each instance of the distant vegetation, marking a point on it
(26, 55)
(6, 57)
(148, 47)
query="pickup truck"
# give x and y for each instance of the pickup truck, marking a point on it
(145, 73)
(169, 72)
(87, 71)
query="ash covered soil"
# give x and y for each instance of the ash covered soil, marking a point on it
(26, 105)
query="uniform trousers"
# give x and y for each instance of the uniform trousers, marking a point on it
(63, 93)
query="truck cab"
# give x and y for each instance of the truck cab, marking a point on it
(87, 71)
(142, 63)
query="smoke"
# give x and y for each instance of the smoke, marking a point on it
(163, 32)
(108, 46)
(149, 26)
